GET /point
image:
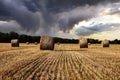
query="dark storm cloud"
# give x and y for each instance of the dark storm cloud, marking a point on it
(21, 14)
(34, 14)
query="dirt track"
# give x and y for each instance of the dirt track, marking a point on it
(66, 62)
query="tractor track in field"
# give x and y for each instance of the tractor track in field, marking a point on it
(100, 71)
(43, 69)
(23, 68)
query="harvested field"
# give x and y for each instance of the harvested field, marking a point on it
(65, 62)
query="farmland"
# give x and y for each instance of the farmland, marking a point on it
(66, 62)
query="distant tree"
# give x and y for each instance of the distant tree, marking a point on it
(116, 41)
(13, 35)
(4, 37)
(23, 38)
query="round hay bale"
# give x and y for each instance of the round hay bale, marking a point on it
(15, 43)
(105, 43)
(46, 43)
(36, 43)
(58, 43)
(27, 43)
(89, 43)
(83, 43)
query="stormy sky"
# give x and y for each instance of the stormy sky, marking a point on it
(99, 19)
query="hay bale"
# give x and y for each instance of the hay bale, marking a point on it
(89, 43)
(83, 43)
(46, 43)
(36, 43)
(27, 43)
(15, 43)
(105, 43)
(58, 43)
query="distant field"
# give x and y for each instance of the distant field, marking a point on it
(66, 62)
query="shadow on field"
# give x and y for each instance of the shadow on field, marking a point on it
(70, 50)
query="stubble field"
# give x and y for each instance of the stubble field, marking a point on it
(66, 62)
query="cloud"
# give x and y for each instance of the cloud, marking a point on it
(110, 35)
(27, 19)
(12, 25)
(106, 21)
(69, 18)
(34, 15)
(48, 17)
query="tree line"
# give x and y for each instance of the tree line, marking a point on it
(23, 38)
(6, 37)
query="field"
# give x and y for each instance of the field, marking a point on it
(66, 62)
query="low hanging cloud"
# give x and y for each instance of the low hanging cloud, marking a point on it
(12, 25)
(43, 17)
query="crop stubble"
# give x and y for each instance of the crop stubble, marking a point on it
(66, 62)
